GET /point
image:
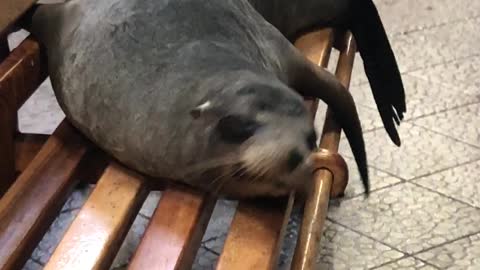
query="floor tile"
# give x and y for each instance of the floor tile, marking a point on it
(205, 260)
(53, 236)
(462, 123)
(407, 217)
(131, 242)
(461, 183)
(409, 263)
(342, 248)
(369, 118)
(422, 49)
(437, 45)
(422, 152)
(401, 16)
(422, 98)
(378, 179)
(78, 197)
(31, 265)
(215, 235)
(462, 254)
(41, 113)
(150, 203)
(464, 71)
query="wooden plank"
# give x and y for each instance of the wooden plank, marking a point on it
(96, 234)
(23, 71)
(175, 231)
(256, 234)
(33, 201)
(26, 148)
(11, 11)
(20, 74)
(316, 206)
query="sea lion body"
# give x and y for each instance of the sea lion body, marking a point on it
(198, 91)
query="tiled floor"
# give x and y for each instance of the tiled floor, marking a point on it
(424, 211)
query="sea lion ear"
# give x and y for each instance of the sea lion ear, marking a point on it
(201, 109)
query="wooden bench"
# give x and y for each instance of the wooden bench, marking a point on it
(38, 172)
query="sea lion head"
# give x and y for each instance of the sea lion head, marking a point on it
(261, 129)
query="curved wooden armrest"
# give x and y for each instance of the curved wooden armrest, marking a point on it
(333, 162)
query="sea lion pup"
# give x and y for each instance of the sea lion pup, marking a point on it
(197, 91)
(293, 18)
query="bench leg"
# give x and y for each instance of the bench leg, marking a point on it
(8, 114)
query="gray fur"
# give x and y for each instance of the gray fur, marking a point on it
(128, 74)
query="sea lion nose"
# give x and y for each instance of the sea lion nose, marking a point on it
(294, 159)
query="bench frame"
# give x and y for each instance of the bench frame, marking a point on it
(38, 172)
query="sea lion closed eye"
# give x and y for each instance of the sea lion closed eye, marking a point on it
(204, 92)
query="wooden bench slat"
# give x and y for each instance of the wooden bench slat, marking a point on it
(316, 206)
(96, 234)
(36, 197)
(175, 231)
(20, 74)
(23, 71)
(27, 147)
(11, 11)
(255, 236)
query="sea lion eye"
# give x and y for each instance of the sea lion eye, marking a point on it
(236, 128)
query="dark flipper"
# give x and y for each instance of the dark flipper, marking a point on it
(379, 63)
(312, 81)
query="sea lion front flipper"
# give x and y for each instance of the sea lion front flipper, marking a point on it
(379, 64)
(312, 81)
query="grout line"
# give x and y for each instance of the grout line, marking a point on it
(405, 257)
(448, 136)
(70, 210)
(447, 242)
(368, 236)
(341, 200)
(364, 80)
(445, 195)
(211, 250)
(461, 106)
(144, 216)
(37, 261)
(406, 254)
(442, 170)
(433, 26)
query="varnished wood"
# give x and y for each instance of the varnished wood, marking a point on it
(26, 148)
(7, 148)
(317, 202)
(36, 197)
(94, 237)
(11, 11)
(22, 71)
(255, 235)
(175, 231)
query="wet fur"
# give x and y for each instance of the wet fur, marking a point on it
(128, 74)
